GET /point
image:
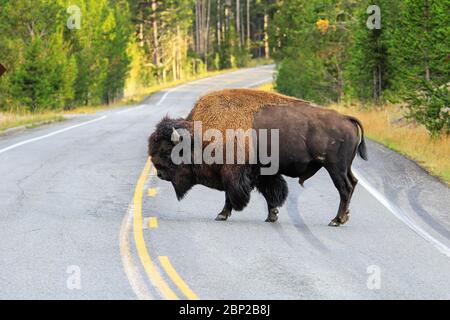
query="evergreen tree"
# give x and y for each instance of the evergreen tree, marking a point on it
(88, 48)
(421, 50)
(370, 70)
(31, 82)
(420, 45)
(36, 55)
(116, 38)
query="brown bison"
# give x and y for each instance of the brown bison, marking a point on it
(309, 138)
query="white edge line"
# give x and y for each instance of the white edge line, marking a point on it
(132, 109)
(165, 96)
(132, 272)
(402, 216)
(14, 146)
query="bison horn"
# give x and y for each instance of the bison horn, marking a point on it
(176, 138)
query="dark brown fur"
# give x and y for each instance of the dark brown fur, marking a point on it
(312, 138)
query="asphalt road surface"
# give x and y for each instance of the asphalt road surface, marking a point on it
(82, 216)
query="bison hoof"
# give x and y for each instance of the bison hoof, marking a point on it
(336, 222)
(223, 216)
(273, 216)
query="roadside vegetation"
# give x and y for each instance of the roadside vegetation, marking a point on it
(13, 119)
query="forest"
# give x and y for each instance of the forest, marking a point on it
(61, 54)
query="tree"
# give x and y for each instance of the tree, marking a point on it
(421, 51)
(420, 43)
(370, 70)
(41, 73)
(310, 41)
(100, 48)
(117, 34)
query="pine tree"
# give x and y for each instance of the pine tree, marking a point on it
(420, 45)
(370, 70)
(116, 33)
(100, 48)
(421, 49)
(33, 37)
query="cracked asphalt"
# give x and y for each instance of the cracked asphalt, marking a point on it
(68, 202)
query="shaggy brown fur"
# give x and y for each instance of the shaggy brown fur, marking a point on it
(234, 108)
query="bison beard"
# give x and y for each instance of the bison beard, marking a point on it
(182, 182)
(311, 138)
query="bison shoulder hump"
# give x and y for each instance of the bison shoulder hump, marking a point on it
(234, 108)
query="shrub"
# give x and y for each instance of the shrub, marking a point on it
(431, 108)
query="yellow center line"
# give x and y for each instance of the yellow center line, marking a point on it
(144, 256)
(152, 192)
(153, 222)
(173, 274)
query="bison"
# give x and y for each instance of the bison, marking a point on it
(310, 138)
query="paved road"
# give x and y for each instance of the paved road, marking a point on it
(83, 217)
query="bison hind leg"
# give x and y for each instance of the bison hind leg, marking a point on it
(344, 216)
(275, 191)
(345, 183)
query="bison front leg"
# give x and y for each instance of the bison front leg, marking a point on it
(273, 214)
(226, 211)
(275, 191)
(238, 183)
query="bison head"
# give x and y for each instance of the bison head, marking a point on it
(160, 145)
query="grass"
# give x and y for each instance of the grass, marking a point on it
(10, 120)
(386, 125)
(260, 62)
(267, 87)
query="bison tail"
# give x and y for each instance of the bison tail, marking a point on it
(362, 148)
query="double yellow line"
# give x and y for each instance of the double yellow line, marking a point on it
(144, 255)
